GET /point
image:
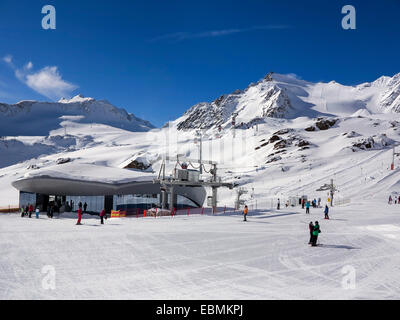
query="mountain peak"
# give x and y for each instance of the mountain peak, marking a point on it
(77, 98)
(288, 96)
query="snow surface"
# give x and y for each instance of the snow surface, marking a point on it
(205, 257)
(90, 172)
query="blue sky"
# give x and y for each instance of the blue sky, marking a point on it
(158, 58)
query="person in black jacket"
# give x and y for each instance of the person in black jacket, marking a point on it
(311, 229)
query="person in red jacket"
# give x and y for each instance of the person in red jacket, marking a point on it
(79, 216)
(30, 210)
(102, 214)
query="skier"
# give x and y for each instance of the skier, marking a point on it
(390, 199)
(326, 212)
(279, 204)
(51, 212)
(80, 205)
(316, 232)
(30, 210)
(84, 207)
(26, 210)
(79, 216)
(37, 212)
(308, 207)
(398, 201)
(246, 209)
(311, 229)
(302, 203)
(319, 202)
(22, 212)
(102, 213)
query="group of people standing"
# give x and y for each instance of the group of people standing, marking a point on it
(307, 203)
(396, 200)
(314, 228)
(28, 210)
(102, 213)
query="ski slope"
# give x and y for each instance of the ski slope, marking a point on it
(205, 257)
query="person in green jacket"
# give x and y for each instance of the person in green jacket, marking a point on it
(22, 212)
(316, 232)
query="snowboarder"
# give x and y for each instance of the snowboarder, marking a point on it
(37, 211)
(326, 211)
(84, 207)
(279, 204)
(30, 210)
(246, 209)
(79, 216)
(308, 207)
(316, 232)
(311, 229)
(102, 214)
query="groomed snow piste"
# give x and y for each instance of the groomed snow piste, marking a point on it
(205, 257)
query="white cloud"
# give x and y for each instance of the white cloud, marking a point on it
(8, 59)
(180, 36)
(47, 81)
(294, 76)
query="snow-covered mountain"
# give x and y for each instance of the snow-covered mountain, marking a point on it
(284, 96)
(33, 118)
(306, 134)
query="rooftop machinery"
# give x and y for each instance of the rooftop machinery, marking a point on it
(188, 177)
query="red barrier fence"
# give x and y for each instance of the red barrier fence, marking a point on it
(140, 213)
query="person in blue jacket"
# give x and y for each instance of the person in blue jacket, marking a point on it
(326, 211)
(308, 207)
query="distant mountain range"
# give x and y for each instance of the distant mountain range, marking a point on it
(34, 118)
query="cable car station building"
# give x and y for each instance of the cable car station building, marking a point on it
(65, 185)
